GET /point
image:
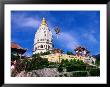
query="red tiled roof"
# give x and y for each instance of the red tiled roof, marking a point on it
(15, 45)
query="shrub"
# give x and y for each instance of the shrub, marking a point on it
(41, 53)
(98, 62)
(28, 65)
(65, 74)
(80, 74)
(69, 68)
(60, 68)
(69, 53)
(94, 72)
(60, 75)
(36, 55)
(53, 65)
(36, 63)
(14, 57)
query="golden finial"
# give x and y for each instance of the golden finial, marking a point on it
(44, 21)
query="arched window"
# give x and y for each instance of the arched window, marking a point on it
(46, 46)
(41, 46)
(45, 34)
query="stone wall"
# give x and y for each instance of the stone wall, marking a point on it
(46, 72)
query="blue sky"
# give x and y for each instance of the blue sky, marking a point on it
(77, 28)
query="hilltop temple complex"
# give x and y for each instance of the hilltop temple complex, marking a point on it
(43, 43)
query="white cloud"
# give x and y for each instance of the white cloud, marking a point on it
(30, 22)
(91, 37)
(67, 40)
(25, 21)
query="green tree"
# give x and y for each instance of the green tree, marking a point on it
(14, 56)
(36, 63)
(69, 53)
(36, 55)
(60, 68)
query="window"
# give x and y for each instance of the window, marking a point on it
(41, 46)
(35, 48)
(41, 39)
(48, 46)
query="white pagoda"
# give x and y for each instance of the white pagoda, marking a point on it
(43, 38)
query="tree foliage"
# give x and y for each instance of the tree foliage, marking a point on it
(36, 63)
(41, 53)
(69, 53)
(14, 57)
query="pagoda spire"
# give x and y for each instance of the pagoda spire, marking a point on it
(44, 22)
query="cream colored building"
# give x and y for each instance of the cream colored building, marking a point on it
(58, 57)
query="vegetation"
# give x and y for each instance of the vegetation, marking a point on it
(19, 67)
(42, 53)
(69, 53)
(53, 65)
(79, 68)
(14, 57)
(97, 59)
(74, 66)
(95, 72)
(36, 63)
(79, 74)
(60, 68)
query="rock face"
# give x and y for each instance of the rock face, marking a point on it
(46, 72)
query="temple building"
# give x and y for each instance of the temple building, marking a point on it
(43, 38)
(17, 50)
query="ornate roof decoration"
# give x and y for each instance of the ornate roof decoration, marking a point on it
(44, 22)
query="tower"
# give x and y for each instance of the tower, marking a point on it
(43, 38)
